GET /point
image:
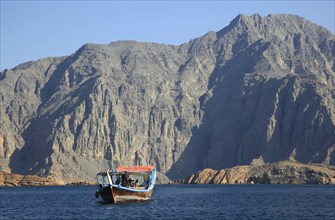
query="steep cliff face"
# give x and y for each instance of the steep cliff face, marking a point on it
(270, 97)
(260, 90)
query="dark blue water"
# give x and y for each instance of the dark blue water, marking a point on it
(173, 202)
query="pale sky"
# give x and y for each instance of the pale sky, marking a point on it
(35, 29)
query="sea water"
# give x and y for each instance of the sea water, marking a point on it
(173, 202)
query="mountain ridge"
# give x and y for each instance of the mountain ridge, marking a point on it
(259, 90)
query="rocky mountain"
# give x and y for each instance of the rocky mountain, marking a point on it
(282, 172)
(260, 90)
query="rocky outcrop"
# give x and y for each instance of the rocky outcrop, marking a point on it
(258, 91)
(10, 179)
(283, 172)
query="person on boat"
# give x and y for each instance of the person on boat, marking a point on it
(118, 180)
(125, 177)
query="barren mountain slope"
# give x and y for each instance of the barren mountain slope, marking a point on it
(260, 90)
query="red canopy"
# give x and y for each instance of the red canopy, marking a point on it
(144, 169)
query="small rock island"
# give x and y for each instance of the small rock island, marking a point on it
(283, 172)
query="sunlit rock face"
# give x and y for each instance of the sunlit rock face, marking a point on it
(282, 172)
(258, 91)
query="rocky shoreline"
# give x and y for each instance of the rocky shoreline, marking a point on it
(82, 183)
(11, 179)
(283, 172)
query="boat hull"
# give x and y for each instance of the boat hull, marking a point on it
(106, 194)
(123, 195)
(112, 194)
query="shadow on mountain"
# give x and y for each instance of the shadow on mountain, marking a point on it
(216, 108)
(35, 156)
